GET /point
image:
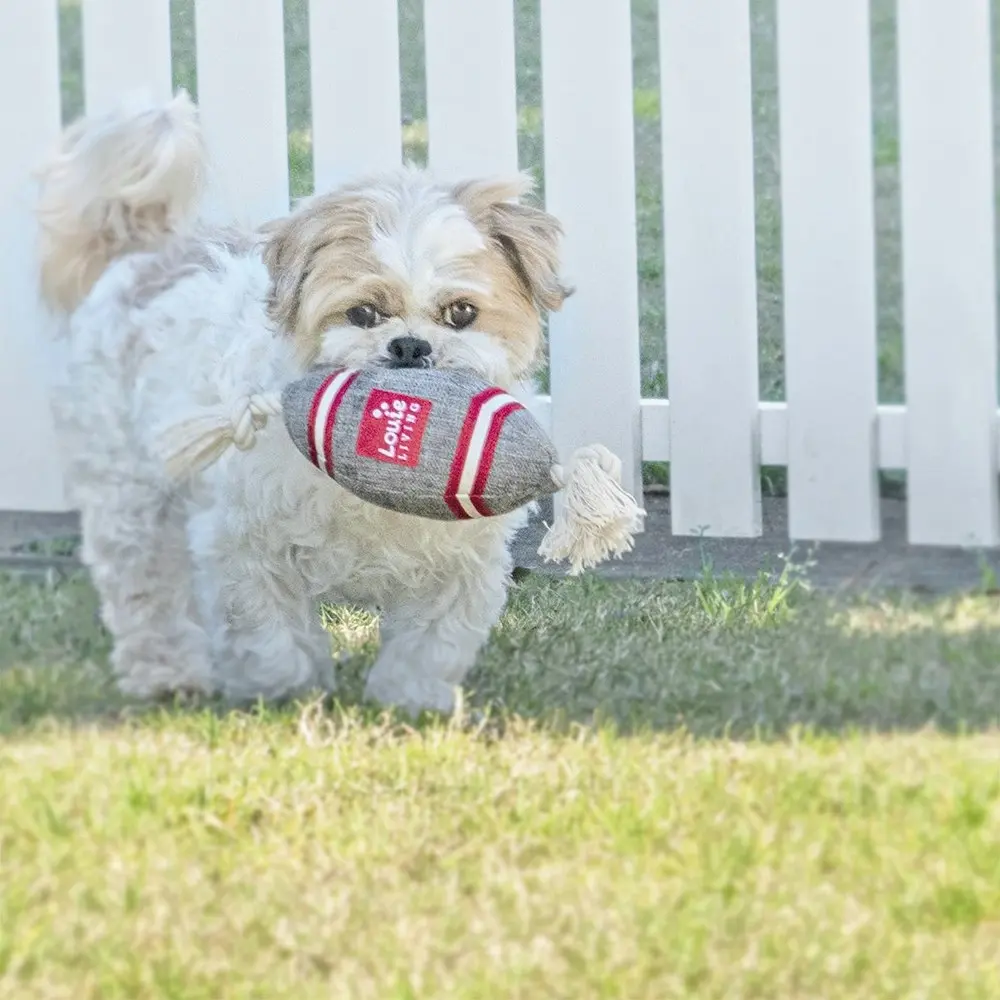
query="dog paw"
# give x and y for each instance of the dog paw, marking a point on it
(173, 692)
(411, 695)
(155, 671)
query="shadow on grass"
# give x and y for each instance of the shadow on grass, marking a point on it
(718, 657)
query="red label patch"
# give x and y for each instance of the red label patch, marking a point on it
(392, 427)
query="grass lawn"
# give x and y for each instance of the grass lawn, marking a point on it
(655, 790)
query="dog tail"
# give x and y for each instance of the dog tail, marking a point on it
(120, 183)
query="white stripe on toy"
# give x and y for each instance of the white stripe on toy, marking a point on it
(325, 411)
(477, 445)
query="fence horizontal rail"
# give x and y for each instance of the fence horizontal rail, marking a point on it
(773, 421)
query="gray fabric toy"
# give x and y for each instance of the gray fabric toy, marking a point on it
(433, 443)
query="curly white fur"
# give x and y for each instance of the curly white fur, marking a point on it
(214, 586)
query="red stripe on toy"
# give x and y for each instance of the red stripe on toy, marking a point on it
(331, 417)
(313, 411)
(462, 450)
(486, 462)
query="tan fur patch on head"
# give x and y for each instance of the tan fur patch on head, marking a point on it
(316, 258)
(528, 236)
(410, 248)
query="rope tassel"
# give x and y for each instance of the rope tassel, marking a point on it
(194, 444)
(598, 518)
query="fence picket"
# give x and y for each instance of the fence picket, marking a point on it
(829, 269)
(471, 87)
(126, 49)
(241, 91)
(355, 98)
(708, 197)
(590, 186)
(949, 297)
(29, 118)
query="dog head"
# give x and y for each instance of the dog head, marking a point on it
(402, 271)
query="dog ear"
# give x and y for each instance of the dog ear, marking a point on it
(286, 256)
(298, 250)
(528, 236)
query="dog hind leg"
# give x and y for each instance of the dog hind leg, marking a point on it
(134, 543)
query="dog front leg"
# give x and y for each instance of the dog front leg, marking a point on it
(430, 642)
(267, 638)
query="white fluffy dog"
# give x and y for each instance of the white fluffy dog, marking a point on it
(213, 585)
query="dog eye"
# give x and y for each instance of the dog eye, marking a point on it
(460, 314)
(366, 316)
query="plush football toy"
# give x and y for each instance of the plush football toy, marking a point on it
(434, 443)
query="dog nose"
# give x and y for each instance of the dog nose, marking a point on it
(408, 352)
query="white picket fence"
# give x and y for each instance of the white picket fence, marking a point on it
(831, 433)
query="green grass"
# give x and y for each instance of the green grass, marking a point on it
(726, 789)
(720, 656)
(301, 856)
